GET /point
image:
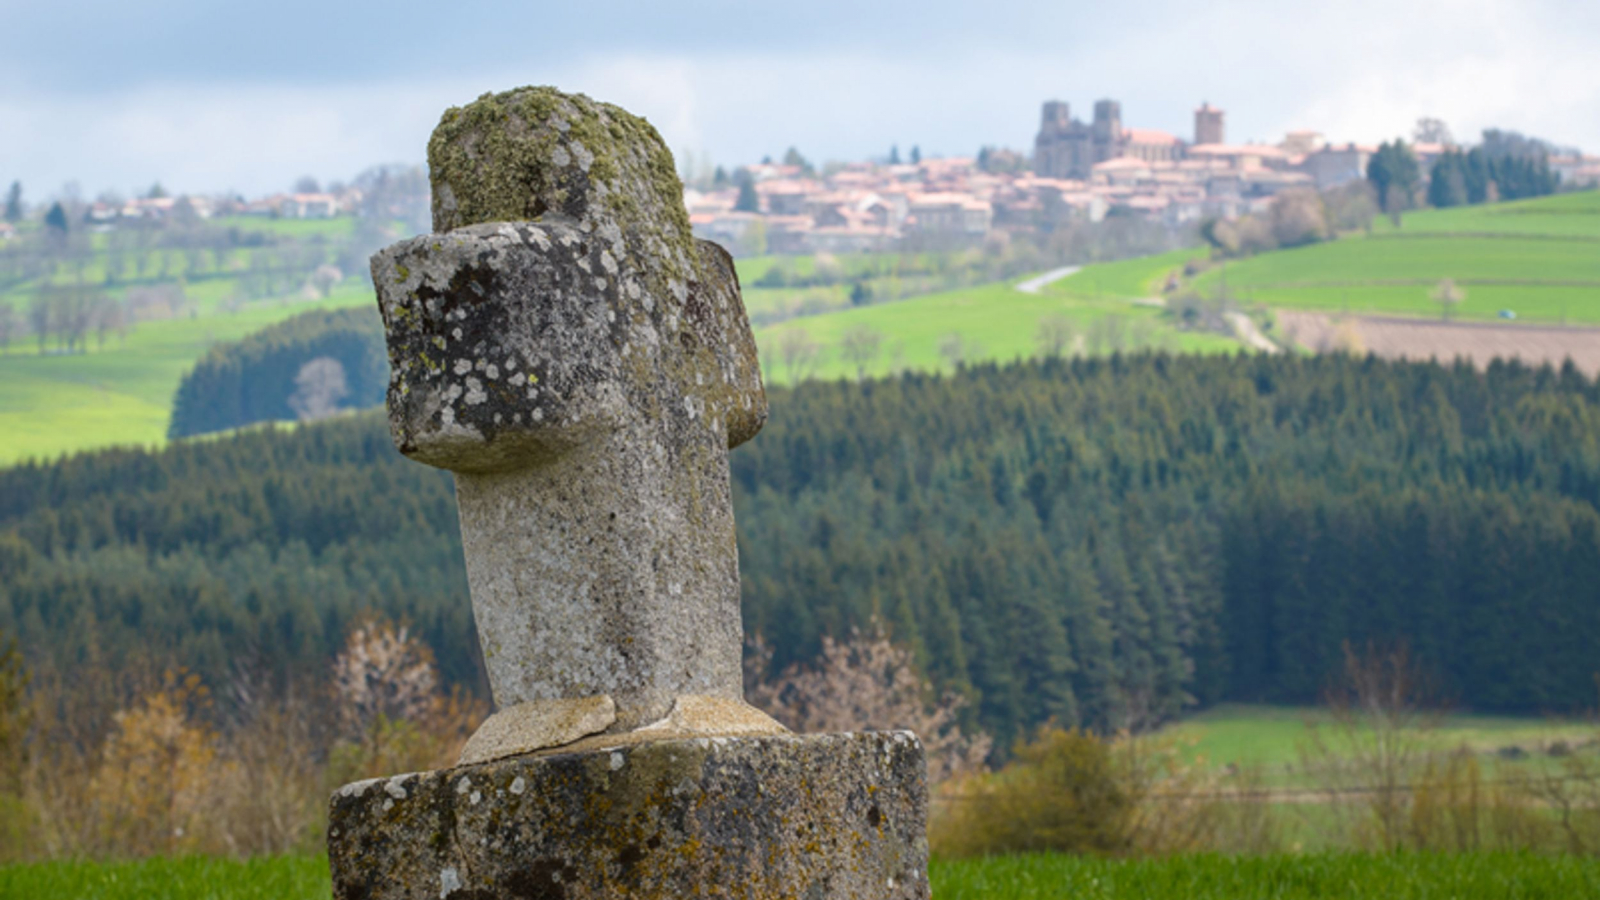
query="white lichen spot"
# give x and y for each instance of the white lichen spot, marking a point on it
(538, 414)
(475, 392)
(464, 785)
(462, 367)
(456, 333)
(475, 797)
(493, 371)
(447, 416)
(518, 785)
(611, 315)
(616, 761)
(395, 789)
(561, 157)
(608, 262)
(449, 882)
(585, 158)
(388, 805)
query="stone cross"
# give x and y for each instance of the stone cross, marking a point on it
(583, 365)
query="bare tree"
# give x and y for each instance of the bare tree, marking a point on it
(799, 353)
(955, 350)
(1108, 334)
(106, 317)
(866, 683)
(1381, 712)
(1298, 217)
(40, 318)
(9, 326)
(861, 345)
(319, 387)
(382, 673)
(1430, 130)
(324, 278)
(1448, 296)
(1055, 335)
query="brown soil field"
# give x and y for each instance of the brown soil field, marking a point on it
(1445, 341)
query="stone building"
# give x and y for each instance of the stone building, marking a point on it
(1208, 125)
(1068, 148)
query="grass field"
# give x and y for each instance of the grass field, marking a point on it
(1539, 259)
(1489, 876)
(1318, 876)
(1271, 736)
(1128, 279)
(995, 322)
(121, 394)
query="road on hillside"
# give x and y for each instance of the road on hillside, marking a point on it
(1244, 328)
(1035, 284)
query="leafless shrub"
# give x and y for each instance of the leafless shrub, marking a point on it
(1055, 335)
(866, 683)
(319, 387)
(861, 345)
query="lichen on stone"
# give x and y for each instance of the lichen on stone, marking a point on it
(534, 153)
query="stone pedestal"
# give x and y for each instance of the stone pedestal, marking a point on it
(810, 817)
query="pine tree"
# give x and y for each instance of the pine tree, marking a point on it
(13, 211)
(748, 200)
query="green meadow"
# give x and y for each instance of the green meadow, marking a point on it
(1127, 279)
(992, 322)
(121, 393)
(1271, 738)
(1538, 260)
(1312, 876)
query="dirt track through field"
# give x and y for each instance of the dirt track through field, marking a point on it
(1420, 339)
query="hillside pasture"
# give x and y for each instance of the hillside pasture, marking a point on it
(1128, 279)
(990, 322)
(121, 393)
(1532, 261)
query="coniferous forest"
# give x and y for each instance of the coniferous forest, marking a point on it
(1097, 542)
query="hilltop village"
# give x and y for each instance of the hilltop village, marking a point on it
(1079, 172)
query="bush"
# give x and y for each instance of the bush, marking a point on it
(1063, 793)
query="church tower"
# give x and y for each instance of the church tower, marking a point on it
(1208, 125)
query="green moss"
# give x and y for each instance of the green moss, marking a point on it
(496, 158)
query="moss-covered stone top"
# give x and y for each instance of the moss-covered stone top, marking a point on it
(538, 154)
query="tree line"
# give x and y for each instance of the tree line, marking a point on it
(1097, 542)
(259, 378)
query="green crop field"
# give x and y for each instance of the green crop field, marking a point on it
(994, 322)
(1537, 259)
(1316, 876)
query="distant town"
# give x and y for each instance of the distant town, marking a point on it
(1078, 172)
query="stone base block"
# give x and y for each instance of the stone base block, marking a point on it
(809, 817)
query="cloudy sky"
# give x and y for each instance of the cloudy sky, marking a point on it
(204, 95)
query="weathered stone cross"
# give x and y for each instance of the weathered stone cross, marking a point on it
(583, 365)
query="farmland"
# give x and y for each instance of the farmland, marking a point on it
(1537, 260)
